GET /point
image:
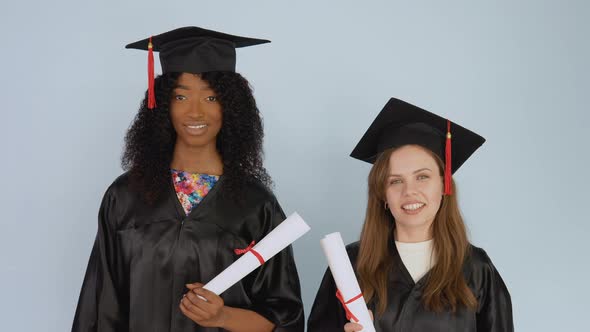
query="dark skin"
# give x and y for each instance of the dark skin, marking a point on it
(212, 312)
(197, 118)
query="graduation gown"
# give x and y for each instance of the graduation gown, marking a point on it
(405, 311)
(144, 255)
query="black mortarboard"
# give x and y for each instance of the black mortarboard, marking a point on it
(193, 50)
(401, 123)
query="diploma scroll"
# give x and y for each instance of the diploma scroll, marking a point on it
(349, 292)
(278, 239)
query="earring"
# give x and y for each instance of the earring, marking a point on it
(385, 206)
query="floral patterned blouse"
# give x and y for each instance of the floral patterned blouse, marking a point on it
(191, 188)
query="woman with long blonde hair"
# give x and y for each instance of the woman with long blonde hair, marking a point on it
(415, 265)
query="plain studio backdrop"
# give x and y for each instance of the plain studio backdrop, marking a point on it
(516, 72)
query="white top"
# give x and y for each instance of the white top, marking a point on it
(417, 257)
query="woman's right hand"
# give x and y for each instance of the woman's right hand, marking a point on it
(352, 327)
(355, 327)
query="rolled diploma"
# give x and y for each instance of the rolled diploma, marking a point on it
(278, 239)
(345, 278)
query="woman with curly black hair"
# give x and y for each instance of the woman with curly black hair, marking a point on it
(194, 191)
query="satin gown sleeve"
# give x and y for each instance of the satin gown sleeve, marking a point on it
(275, 290)
(495, 307)
(100, 306)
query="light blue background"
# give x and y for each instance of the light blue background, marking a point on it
(515, 71)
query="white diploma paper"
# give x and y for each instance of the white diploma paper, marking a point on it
(345, 279)
(278, 239)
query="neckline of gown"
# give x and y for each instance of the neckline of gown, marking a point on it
(405, 274)
(181, 214)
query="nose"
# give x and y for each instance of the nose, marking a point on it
(409, 188)
(196, 110)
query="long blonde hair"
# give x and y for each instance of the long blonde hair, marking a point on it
(446, 288)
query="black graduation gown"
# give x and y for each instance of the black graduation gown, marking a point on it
(143, 256)
(405, 311)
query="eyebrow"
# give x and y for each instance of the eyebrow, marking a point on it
(416, 171)
(184, 87)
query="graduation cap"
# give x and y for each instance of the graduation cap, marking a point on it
(401, 123)
(191, 50)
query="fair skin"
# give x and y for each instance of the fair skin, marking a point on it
(197, 119)
(354, 327)
(414, 190)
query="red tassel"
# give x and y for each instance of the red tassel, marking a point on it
(448, 174)
(151, 92)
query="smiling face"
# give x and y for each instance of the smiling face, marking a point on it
(414, 187)
(195, 112)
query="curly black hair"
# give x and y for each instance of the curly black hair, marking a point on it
(149, 142)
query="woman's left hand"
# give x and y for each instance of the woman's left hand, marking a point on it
(207, 313)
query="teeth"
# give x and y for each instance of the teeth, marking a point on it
(414, 206)
(198, 126)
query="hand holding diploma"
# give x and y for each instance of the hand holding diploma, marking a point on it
(349, 292)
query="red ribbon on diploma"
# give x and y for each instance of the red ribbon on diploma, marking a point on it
(250, 249)
(349, 314)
